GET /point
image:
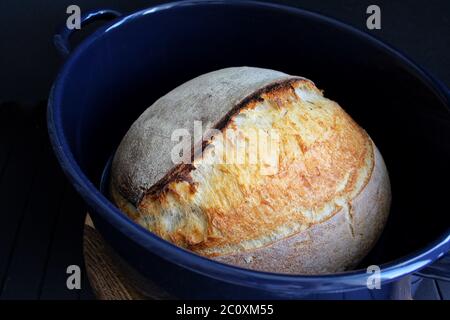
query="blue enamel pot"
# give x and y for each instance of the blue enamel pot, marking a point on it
(121, 69)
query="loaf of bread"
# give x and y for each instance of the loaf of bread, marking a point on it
(255, 168)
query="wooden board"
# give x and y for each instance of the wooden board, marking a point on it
(106, 280)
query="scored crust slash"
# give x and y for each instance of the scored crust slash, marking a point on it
(321, 211)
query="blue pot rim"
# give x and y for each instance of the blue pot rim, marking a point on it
(350, 280)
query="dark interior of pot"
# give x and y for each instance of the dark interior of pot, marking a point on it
(115, 78)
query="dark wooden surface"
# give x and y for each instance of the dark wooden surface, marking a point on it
(42, 217)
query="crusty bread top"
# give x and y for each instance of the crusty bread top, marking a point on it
(325, 161)
(143, 157)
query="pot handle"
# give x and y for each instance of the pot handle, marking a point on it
(62, 37)
(439, 270)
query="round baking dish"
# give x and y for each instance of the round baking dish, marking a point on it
(117, 72)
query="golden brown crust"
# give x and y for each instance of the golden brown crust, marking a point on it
(248, 214)
(142, 163)
(334, 245)
(181, 171)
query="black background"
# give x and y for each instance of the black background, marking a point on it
(29, 61)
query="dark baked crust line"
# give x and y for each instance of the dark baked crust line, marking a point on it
(180, 172)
